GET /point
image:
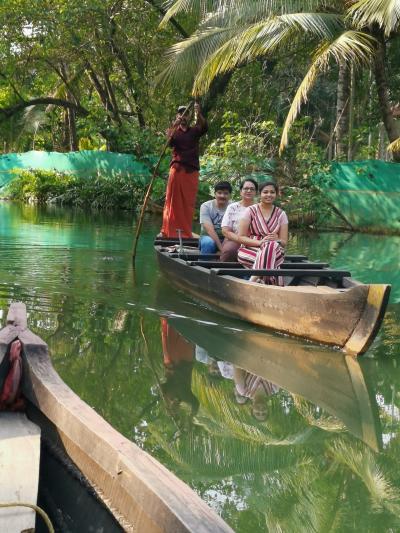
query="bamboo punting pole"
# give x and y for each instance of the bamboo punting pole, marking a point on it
(150, 187)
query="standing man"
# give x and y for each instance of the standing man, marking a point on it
(211, 215)
(183, 178)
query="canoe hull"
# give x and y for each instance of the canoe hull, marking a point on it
(140, 492)
(321, 314)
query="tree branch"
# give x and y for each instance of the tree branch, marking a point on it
(175, 24)
(7, 112)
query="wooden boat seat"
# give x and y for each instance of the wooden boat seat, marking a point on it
(196, 256)
(229, 264)
(284, 272)
(171, 242)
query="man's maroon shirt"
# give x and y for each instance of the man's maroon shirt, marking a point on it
(185, 147)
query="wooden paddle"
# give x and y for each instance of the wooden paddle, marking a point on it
(150, 187)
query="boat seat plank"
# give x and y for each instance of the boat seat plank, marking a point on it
(296, 273)
(230, 264)
(215, 264)
(171, 242)
(191, 257)
(194, 257)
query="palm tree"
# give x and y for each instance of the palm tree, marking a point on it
(234, 32)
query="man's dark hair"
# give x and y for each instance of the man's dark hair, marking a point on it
(223, 186)
(251, 181)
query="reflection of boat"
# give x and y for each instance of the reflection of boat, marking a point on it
(331, 380)
(320, 304)
(139, 491)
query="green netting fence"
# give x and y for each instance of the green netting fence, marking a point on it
(87, 163)
(365, 193)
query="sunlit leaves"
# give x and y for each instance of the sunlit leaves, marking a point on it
(350, 46)
(384, 13)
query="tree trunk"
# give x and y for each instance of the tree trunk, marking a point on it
(382, 88)
(217, 88)
(65, 141)
(342, 109)
(350, 147)
(73, 139)
(123, 59)
(111, 96)
(103, 95)
(382, 143)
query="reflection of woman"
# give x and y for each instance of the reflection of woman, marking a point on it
(232, 216)
(263, 232)
(178, 356)
(255, 388)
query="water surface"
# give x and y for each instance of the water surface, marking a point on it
(315, 446)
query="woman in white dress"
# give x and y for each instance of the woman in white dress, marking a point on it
(230, 221)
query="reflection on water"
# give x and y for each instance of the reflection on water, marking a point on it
(274, 433)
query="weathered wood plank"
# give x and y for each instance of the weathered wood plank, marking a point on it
(238, 272)
(19, 470)
(230, 264)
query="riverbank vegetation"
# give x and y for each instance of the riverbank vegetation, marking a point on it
(287, 86)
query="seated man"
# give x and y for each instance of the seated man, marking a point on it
(211, 214)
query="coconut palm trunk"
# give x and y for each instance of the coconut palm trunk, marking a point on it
(382, 87)
(342, 109)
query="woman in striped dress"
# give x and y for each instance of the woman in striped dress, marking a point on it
(263, 233)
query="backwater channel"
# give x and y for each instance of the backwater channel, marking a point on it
(317, 448)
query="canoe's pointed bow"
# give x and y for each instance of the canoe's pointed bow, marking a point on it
(370, 321)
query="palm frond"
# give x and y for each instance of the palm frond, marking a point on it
(33, 118)
(351, 46)
(324, 422)
(362, 462)
(385, 13)
(226, 12)
(243, 12)
(394, 146)
(261, 39)
(208, 456)
(220, 415)
(174, 7)
(185, 58)
(307, 500)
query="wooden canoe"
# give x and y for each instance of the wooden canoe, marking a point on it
(140, 492)
(333, 381)
(318, 303)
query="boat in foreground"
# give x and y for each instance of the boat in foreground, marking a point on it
(140, 493)
(317, 303)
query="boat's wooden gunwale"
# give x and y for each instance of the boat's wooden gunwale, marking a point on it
(321, 314)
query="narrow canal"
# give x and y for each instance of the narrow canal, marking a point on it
(318, 446)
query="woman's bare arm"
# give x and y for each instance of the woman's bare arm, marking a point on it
(284, 234)
(243, 232)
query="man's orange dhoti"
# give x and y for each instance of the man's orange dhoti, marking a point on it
(180, 202)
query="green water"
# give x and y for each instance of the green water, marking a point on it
(324, 452)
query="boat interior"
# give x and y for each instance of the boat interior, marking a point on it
(296, 270)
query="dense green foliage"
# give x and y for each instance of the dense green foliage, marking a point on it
(42, 186)
(105, 74)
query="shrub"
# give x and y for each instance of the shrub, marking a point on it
(43, 186)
